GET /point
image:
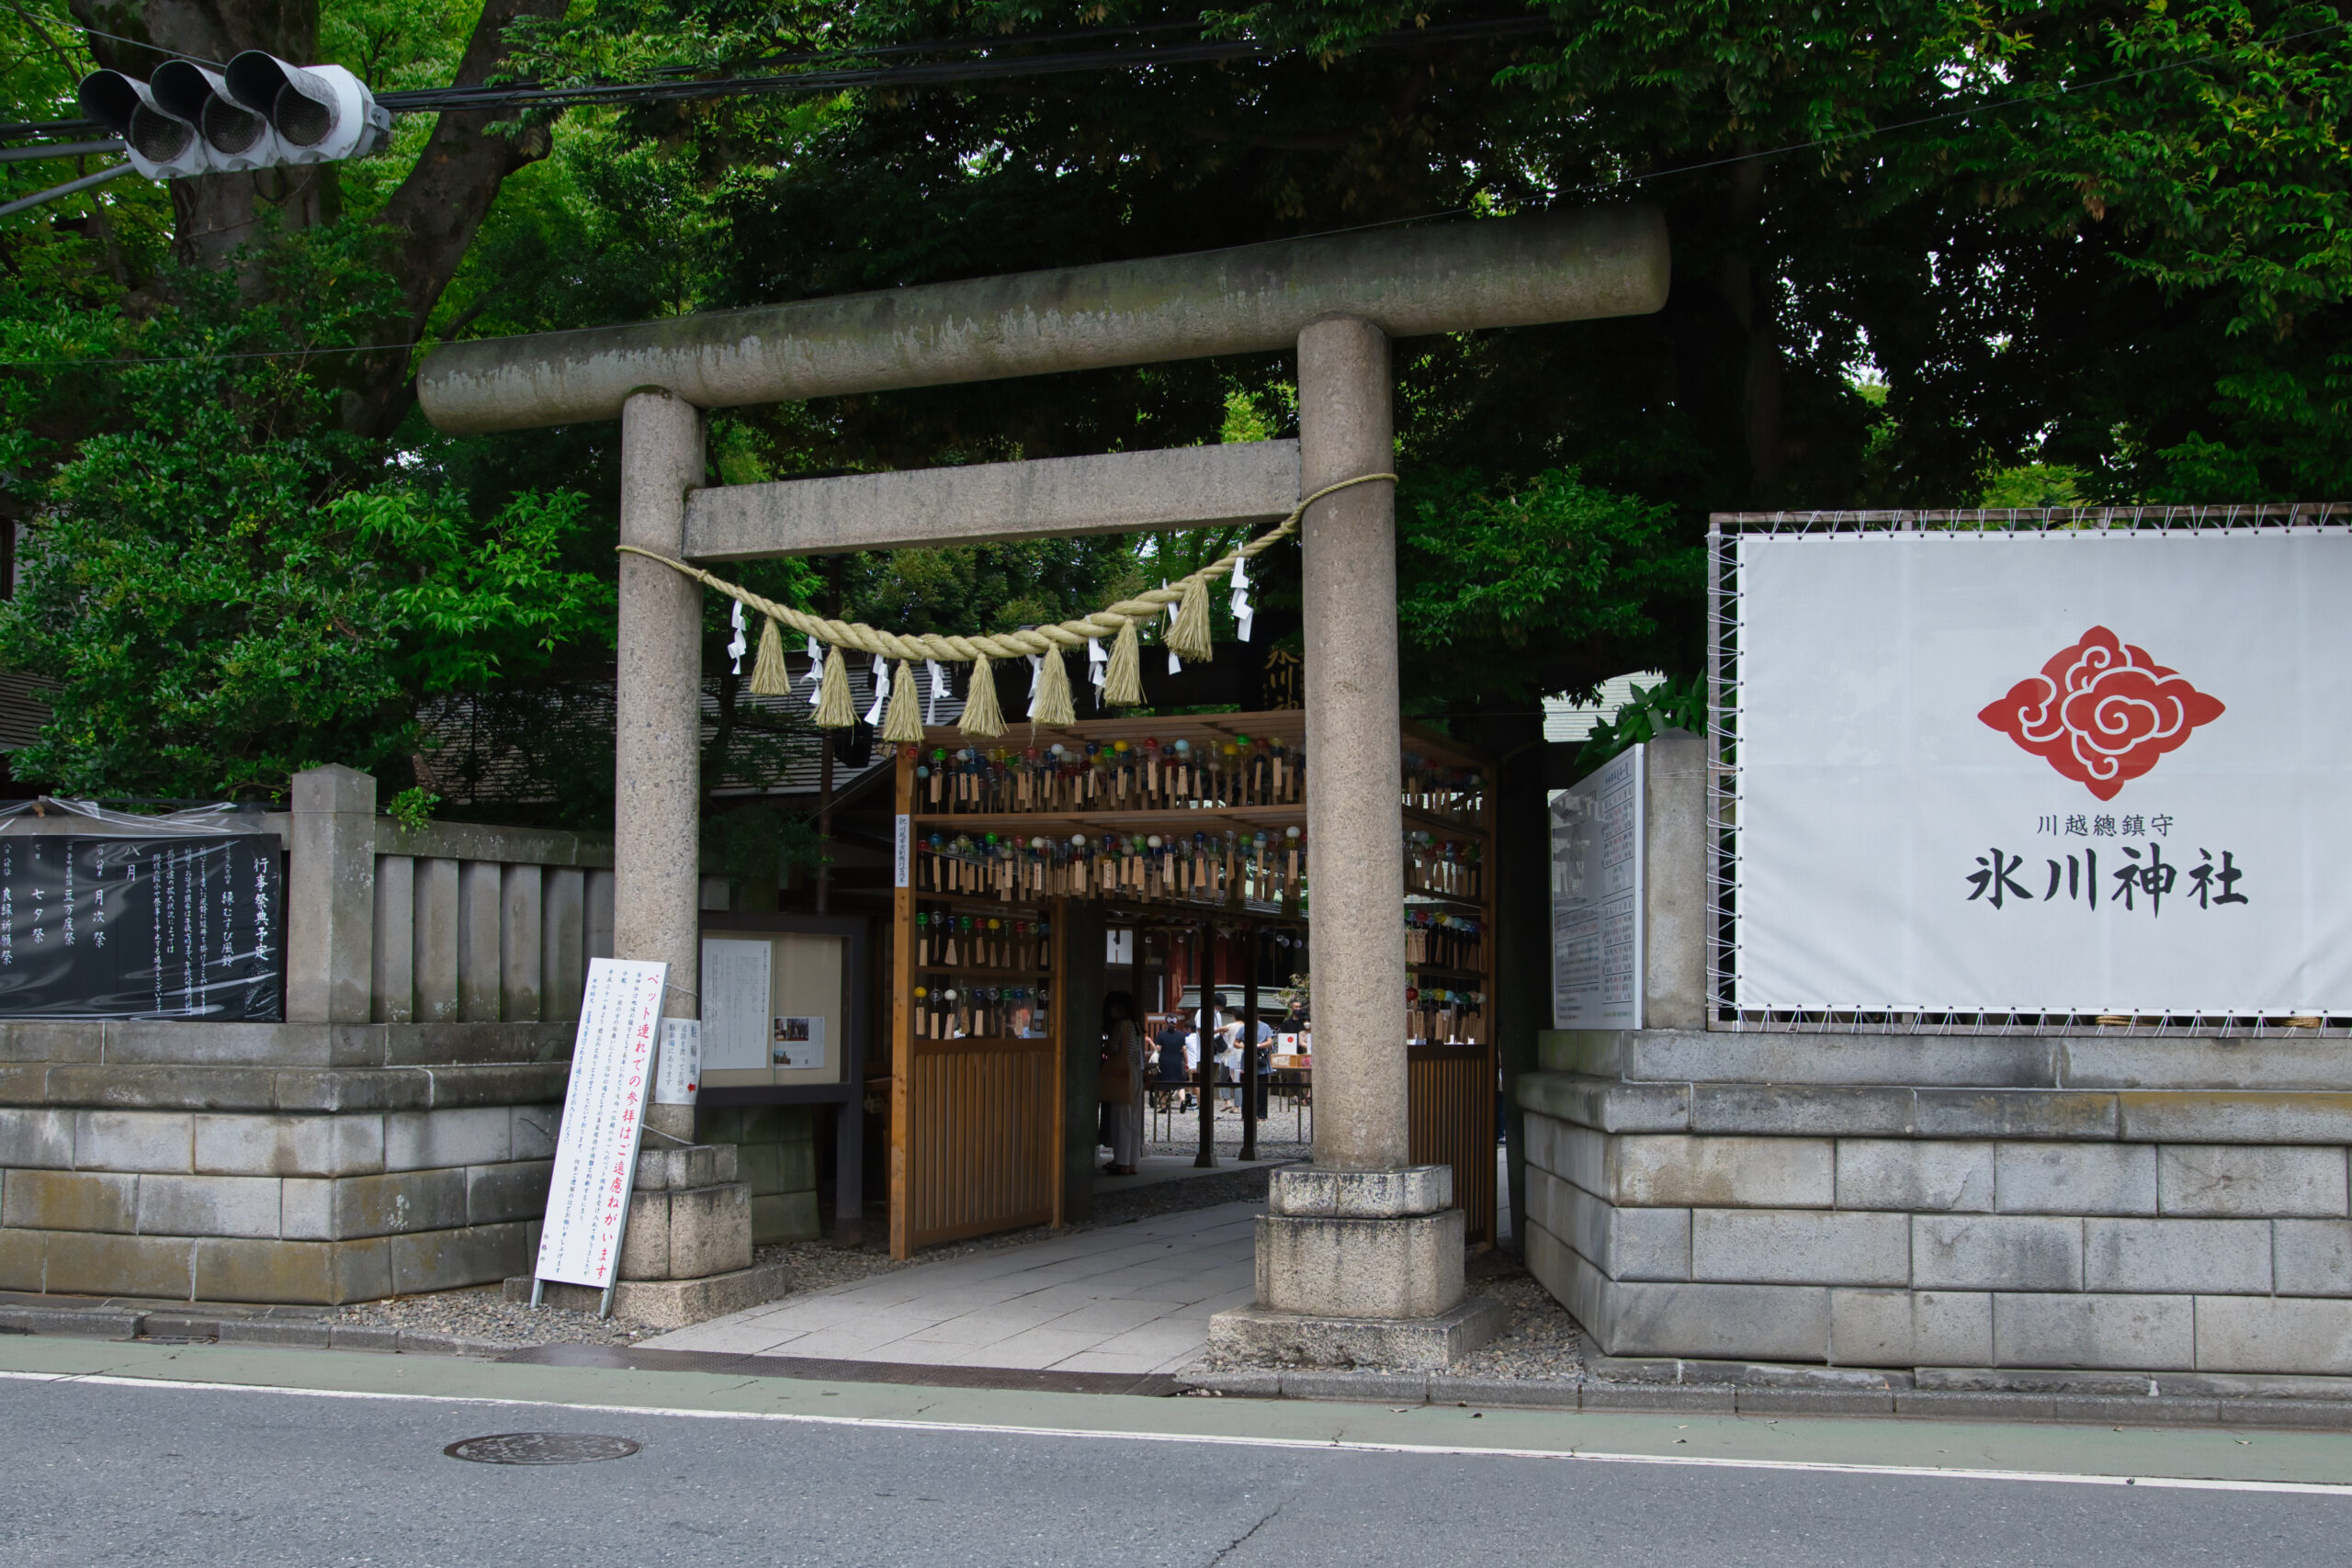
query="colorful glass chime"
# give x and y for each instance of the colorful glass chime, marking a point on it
(1109, 775)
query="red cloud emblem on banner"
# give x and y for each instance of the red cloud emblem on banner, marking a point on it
(2102, 712)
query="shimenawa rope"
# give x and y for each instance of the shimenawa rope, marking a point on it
(983, 719)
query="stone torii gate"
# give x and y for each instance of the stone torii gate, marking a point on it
(1361, 1255)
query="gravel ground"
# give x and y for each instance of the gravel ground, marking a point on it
(1540, 1344)
(480, 1312)
(1281, 1136)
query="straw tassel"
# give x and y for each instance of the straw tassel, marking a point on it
(982, 720)
(902, 726)
(834, 710)
(1053, 690)
(1189, 637)
(1122, 687)
(769, 677)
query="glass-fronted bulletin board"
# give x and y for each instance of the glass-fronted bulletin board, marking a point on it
(775, 1009)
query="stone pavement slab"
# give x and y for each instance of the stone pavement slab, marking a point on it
(1134, 1298)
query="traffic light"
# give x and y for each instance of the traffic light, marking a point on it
(264, 113)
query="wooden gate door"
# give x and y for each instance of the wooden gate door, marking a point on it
(975, 1059)
(1452, 1096)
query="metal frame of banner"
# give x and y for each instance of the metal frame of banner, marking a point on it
(1725, 530)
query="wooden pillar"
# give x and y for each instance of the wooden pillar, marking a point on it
(902, 987)
(1206, 1158)
(1251, 950)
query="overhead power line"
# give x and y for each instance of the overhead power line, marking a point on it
(683, 89)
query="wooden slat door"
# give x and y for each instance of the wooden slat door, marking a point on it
(984, 1157)
(974, 1123)
(1452, 1096)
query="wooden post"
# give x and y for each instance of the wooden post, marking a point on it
(903, 988)
(1251, 949)
(1490, 1039)
(1202, 969)
(1058, 1022)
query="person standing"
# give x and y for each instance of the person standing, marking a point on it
(1123, 1082)
(1171, 1041)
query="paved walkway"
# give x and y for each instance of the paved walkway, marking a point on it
(1134, 1298)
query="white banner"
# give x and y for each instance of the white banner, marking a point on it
(604, 1119)
(1597, 898)
(2065, 772)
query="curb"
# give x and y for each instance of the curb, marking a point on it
(1760, 1399)
(291, 1333)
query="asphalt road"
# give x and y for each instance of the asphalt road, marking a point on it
(139, 1467)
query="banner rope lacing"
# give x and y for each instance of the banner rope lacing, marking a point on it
(1187, 637)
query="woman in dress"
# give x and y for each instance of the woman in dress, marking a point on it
(1123, 1082)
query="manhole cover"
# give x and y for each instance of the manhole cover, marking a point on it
(542, 1448)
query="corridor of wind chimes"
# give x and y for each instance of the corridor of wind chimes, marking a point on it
(1441, 951)
(1230, 866)
(979, 974)
(1110, 775)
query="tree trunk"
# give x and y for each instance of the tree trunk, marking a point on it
(437, 210)
(1746, 289)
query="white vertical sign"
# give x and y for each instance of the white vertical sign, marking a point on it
(678, 1078)
(905, 839)
(1597, 899)
(604, 1119)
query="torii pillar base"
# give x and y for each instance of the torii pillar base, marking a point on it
(1359, 1269)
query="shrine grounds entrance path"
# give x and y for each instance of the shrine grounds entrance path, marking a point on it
(1130, 1298)
(135, 1454)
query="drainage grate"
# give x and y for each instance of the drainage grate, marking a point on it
(542, 1448)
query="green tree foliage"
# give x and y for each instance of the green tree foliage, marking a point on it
(1924, 251)
(1511, 594)
(225, 586)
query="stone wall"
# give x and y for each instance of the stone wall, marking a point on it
(2073, 1201)
(310, 1163)
(776, 1154)
(395, 1135)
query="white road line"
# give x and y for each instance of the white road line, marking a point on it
(1214, 1440)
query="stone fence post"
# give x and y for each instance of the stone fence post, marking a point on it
(330, 897)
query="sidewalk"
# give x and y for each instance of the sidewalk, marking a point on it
(1132, 1299)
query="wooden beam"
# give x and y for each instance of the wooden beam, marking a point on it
(1124, 493)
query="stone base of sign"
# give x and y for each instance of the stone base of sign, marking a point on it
(313, 1164)
(1262, 1336)
(670, 1304)
(2103, 1200)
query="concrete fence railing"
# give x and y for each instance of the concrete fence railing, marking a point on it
(447, 923)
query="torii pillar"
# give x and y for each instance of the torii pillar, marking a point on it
(1360, 1258)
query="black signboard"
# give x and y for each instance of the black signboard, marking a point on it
(186, 927)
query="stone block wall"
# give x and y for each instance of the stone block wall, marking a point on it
(300, 1163)
(2099, 1201)
(776, 1154)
